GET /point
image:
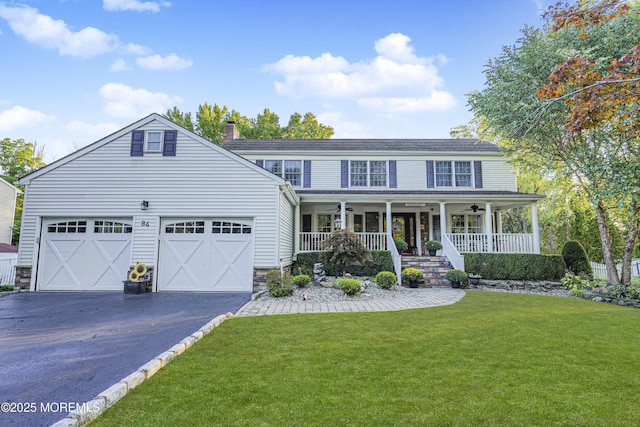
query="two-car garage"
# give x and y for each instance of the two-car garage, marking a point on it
(197, 255)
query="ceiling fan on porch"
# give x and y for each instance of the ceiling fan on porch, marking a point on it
(347, 209)
(476, 208)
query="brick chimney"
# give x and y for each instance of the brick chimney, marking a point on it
(230, 132)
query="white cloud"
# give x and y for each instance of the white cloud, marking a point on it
(125, 101)
(134, 5)
(49, 33)
(135, 49)
(95, 130)
(343, 128)
(119, 65)
(20, 117)
(170, 62)
(396, 79)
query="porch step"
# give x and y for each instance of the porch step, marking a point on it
(434, 269)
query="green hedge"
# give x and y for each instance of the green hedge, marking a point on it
(515, 266)
(382, 261)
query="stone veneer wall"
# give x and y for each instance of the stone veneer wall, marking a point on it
(23, 277)
(260, 276)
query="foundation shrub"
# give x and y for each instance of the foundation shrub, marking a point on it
(349, 286)
(386, 279)
(515, 266)
(277, 284)
(380, 261)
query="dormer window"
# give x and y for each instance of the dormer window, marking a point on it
(154, 141)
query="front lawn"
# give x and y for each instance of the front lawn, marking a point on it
(492, 359)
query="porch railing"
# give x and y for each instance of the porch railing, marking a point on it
(452, 253)
(312, 241)
(502, 243)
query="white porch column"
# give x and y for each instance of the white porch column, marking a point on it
(296, 230)
(389, 222)
(499, 222)
(488, 225)
(534, 225)
(418, 234)
(443, 219)
(343, 215)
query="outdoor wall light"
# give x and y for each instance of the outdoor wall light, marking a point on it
(144, 205)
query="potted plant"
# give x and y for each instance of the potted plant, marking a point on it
(458, 278)
(474, 279)
(432, 246)
(412, 275)
(401, 245)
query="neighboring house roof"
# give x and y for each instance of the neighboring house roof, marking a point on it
(154, 116)
(428, 145)
(2, 181)
(7, 248)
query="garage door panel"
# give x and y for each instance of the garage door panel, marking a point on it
(222, 262)
(77, 256)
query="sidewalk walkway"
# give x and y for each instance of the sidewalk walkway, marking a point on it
(418, 298)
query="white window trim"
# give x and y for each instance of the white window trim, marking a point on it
(453, 174)
(146, 141)
(386, 166)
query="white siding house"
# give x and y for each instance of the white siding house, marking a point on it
(216, 218)
(155, 193)
(8, 194)
(450, 190)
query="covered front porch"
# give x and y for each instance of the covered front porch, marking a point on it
(462, 225)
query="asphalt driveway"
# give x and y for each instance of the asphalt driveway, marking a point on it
(59, 348)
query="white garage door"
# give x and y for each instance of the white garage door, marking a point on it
(206, 255)
(84, 254)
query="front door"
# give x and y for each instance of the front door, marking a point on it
(404, 227)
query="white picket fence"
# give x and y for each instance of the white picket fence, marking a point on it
(600, 270)
(8, 263)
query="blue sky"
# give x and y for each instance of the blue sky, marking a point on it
(74, 71)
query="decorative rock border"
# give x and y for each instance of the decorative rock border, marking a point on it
(107, 398)
(522, 285)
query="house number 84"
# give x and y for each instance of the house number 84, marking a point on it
(145, 223)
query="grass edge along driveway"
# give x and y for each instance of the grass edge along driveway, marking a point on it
(491, 359)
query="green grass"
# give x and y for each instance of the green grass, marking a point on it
(493, 359)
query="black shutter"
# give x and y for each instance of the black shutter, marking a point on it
(307, 174)
(260, 163)
(477, 168)
(170, 139)
(344, 173)
(393, 182)
(431, 182)
(137, 143)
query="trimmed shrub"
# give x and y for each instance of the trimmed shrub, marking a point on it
(576, 259)
(301, 280)
(493, 266)
(349, 286)
(386, 279)
(381, 261)
(278, 285)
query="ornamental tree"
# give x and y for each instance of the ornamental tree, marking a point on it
(344, 249)
(562, 100)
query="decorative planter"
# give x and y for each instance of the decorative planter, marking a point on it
(134, 287)
(432, 253)
(455, 284)
(474, 280)
(413, 283)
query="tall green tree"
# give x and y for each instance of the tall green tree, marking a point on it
(534, 122)
(210, 121)
(18, 159)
